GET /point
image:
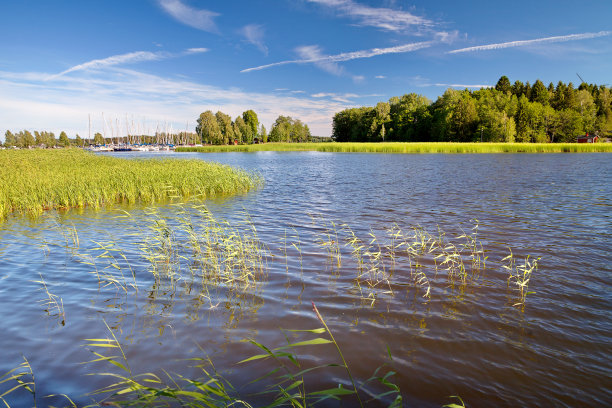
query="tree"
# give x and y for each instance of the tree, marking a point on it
(569, 97)
(530, 122)
(63, 139)
(408, 114)
(251, 121)
(558, 98)
(381, 119)
(539, 93)
(225, 126)
(208, 128)
(39, 138)
(588, 110)
(352, 125)
(570, 126)
(237, 132)
(463, 118)
(78, 141)
(263, 133)
(287, 129)
(9, 139)
(245, 132)
(518, 88)
(281, 129)
(98, 139)
(503, 85)
(27, 139)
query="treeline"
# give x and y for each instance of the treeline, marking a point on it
(181, 138)
(219, 128)
(26, 139)
(517, 112)
(44, 139)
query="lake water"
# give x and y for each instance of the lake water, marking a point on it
(450, 333)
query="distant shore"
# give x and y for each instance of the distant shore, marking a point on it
(397, 147)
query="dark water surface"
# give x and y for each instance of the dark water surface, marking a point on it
(468, 338)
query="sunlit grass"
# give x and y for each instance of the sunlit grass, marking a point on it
(32, 181)
(399, 147)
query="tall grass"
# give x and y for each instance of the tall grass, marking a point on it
(400, 147)
(32, 181)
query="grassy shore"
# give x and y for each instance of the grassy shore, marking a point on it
(32, 181)
(396, 147)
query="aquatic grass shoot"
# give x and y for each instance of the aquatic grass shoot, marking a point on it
(284, 385)
(519, 275)
(24, 377)
(54, 305)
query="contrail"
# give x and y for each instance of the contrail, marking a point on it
(562, 38)
(347, 56)
(131, 57)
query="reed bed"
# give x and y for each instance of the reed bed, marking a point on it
(215, 263)
(32, 181)
(400, 147)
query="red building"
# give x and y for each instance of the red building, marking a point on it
(587, 139)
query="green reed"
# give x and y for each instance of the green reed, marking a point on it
(417, 147)
(54, 305)
(186, 247)
(24, 377)
(520, 275)
(33, 181)
(284, 385)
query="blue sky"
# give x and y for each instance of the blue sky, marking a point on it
(156, 64)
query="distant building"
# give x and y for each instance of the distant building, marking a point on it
(587, 138)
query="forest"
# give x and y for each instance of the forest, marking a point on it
(219, 129)
(518, 112)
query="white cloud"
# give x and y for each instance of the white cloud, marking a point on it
(129, 58)
(380, 77)
(461, 86)
(382, 18)
(312, 55)
(522, 43)
(200, 19)
(344, 98)
(254, 34)
(189, 51)
(66, 103)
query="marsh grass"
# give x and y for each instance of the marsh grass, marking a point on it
(401, 147)
(284, 385)
(33, 181)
